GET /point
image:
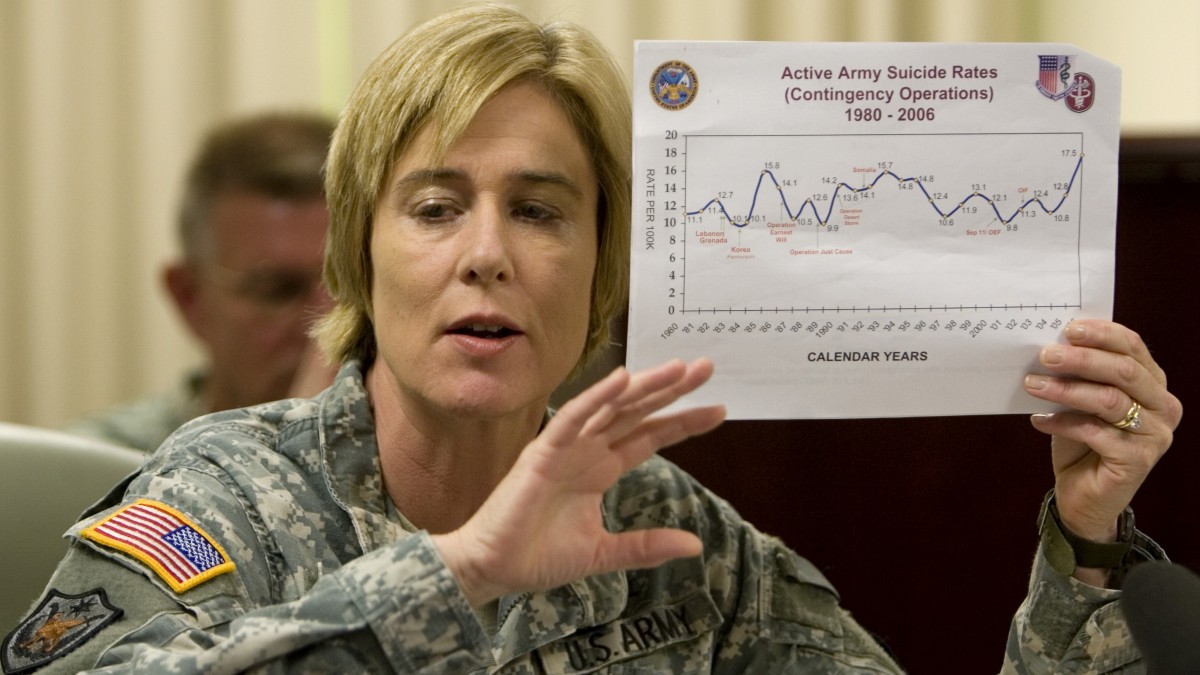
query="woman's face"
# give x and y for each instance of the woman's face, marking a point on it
(483, 263)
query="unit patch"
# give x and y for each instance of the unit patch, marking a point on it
(58, 625)
(182, 554)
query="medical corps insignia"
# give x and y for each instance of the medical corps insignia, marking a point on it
(182, 554)
(1083, 93)
(58, 625)
(1054, 76)
(1056, 82)
(674, 85)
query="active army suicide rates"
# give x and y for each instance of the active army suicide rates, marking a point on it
(954, 93)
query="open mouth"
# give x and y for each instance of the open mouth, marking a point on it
(484, 331)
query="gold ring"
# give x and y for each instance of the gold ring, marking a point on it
(1132, 420)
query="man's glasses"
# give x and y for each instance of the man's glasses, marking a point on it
(276, 289)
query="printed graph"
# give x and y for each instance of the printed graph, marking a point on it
(795, 223)
(890, 249)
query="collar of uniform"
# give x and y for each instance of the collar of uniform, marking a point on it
(351, 458)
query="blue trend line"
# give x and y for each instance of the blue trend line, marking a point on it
(887, 172)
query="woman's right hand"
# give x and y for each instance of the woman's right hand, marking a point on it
(542, 526)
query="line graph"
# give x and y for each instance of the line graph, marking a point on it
(809, 203)
(854, 222)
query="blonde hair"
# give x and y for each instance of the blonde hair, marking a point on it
(439, 75)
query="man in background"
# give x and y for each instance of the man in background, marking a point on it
(252, 226)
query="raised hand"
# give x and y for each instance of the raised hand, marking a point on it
(1102, 371)
(542, 527)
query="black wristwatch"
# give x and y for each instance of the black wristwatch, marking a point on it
(1066, 550)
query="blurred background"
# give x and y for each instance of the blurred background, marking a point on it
(103, 101)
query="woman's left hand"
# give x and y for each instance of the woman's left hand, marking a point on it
(1101, 373)
(542, 526)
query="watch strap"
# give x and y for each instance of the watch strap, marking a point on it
(1066, 550)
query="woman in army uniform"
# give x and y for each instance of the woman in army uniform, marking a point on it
(426, 514)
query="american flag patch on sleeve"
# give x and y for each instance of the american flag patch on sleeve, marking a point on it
(182, 554)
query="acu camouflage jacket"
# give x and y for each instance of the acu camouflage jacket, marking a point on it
(262, 540)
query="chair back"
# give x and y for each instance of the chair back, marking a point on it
(47, 479)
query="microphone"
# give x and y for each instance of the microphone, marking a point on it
(1161, 602)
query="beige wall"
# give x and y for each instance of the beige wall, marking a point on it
(101, 102)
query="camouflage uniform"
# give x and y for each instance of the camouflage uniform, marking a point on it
(145, 423)
(328, 578)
